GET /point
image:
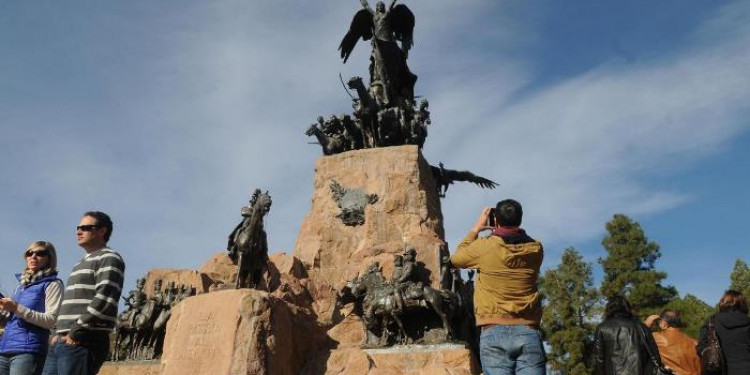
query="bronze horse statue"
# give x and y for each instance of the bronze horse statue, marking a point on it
(248, 244)
(377, 303)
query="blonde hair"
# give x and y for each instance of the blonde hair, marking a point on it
(51, 258)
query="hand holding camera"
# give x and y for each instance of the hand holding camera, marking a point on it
(486, 220)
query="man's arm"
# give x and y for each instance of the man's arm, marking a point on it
(469, 250)
(649, 322)
(102, 311)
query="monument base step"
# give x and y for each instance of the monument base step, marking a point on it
(131, 368)
(448, 359)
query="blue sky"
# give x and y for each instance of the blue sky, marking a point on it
(167, 115)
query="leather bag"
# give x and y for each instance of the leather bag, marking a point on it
(712, 358)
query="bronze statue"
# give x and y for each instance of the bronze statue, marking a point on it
(126, 322)
(352, 203)
(140, 329)
(388, 308)
(446, 177)
(248, 244)
(388, 69)
(385, 114)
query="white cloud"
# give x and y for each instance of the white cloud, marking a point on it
(219, 107)
(585, 148)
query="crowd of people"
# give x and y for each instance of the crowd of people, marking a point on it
(51, 329)
(54, 330)
(508, 310)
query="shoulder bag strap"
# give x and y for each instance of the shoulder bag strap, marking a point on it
(653, 356)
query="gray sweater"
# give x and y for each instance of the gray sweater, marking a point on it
(92, 294)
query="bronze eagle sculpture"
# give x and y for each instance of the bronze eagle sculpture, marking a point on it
(446, 177)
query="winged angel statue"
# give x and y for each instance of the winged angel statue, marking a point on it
(390, 77)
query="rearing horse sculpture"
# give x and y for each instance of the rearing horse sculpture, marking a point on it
(248, 245)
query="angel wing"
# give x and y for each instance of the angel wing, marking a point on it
(361, 27)
(401, 21)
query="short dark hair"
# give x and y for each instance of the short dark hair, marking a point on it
(618, 307)
(733, 300)
(509, 213)
(102, 220)
(671, 317)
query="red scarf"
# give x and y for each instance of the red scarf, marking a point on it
(507, 231)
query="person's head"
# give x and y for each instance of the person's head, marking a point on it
(94, 230)
(410, 253)
(398, 260)
(508, 213)
(618, 307)
(380, 6)
(40, 256)
(733, 300)
(670, 318)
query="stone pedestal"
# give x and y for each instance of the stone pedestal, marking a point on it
(131, 368)
(188, 277)
(407, 213)
(239, 332)
(448, 359)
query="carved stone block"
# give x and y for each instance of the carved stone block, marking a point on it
(241, 331)
(404, 360)
(407, 213)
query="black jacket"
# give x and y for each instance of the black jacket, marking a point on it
(733, 329)
(622, 346)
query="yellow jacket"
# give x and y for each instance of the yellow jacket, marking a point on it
(506, 290)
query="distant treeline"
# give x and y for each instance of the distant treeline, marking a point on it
(573, 305)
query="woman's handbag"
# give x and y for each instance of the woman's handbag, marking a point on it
(712, 358)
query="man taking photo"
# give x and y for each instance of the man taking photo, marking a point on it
(89, 308)
(507, 304)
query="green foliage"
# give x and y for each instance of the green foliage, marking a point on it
(570, 302)
(693, 313)
(740, 278)
(629, 267)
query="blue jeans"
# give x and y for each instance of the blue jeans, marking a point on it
(64, 359)
(21, 364)
(512, 350)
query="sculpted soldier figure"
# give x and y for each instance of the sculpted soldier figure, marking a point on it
(134, 302)
(248, 243)
(157, 295)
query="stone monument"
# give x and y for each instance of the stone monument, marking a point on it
(367, 289)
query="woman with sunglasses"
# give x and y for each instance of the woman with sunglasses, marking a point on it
(33, 309)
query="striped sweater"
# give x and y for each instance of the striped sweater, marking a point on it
(92, 294)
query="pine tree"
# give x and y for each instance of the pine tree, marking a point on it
(629, 267)
(567, 321)
(740, 278)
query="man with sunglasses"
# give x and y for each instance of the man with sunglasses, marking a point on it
(89, 308)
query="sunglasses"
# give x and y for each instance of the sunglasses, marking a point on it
(38, 253)
(86, 228)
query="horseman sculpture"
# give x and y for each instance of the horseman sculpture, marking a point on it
(248, 244)
(384, 305)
